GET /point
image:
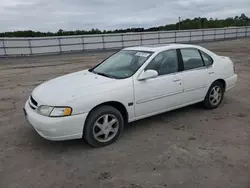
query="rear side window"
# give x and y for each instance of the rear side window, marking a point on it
(191, 58)
(207, 59)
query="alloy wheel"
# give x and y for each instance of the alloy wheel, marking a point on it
(105, 128)
(215, 95)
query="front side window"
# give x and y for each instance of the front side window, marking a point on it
(164, 63)
(191, 58)
(122, 64)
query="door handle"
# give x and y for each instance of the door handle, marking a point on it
(176, 79)
(211, 73)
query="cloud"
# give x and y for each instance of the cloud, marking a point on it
(52, 15)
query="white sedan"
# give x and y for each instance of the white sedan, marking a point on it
(132, 84)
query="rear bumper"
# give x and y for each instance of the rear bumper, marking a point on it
(231, 81)
(61, 128)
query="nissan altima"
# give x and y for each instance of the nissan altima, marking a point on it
(132, 84)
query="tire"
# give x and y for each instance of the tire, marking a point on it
(208, 102)
(98, 124)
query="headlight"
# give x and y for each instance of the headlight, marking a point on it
(61, 111)
(44, 110)
(54, 111)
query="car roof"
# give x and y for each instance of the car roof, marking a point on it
(161, 47)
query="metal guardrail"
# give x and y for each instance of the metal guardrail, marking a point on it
(47, 45)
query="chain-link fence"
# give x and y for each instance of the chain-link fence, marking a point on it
(48, 45)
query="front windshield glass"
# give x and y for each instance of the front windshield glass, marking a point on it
(122, 64)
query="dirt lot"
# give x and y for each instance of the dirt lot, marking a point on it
(190, 147)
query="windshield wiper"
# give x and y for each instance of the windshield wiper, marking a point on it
(103, 74)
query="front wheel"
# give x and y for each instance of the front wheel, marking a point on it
(103, 126)
(214, 95)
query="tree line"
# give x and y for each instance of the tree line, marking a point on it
(195, 23)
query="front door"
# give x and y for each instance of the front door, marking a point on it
(164, 92)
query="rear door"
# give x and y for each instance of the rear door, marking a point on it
(196, 75)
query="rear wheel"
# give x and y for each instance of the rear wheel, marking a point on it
(103, 126)
(214, 95)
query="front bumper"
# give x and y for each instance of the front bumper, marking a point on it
(53, 128)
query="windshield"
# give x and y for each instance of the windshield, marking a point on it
(122, 64)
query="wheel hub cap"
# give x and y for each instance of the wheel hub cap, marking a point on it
(215, 95)
(105, 128)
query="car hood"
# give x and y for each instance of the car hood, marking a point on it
(65, 88)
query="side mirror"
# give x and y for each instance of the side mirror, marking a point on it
(148, 74)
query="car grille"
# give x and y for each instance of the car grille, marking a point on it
(32, 107)
(32, 102)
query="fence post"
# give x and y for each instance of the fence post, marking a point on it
(202, 39)
(214, 34)
(30, 47)
(59, 42)
(158, 37)
(82, 42)
(4, 49)
(141, 37)
(190, 36)
(122, 41)
(246, 32)
(236, 33)
(103, 42)
(175, 37)
(224, 33)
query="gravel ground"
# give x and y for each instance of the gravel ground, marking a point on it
(189, 147)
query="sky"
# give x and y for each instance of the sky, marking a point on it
(52, 15)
